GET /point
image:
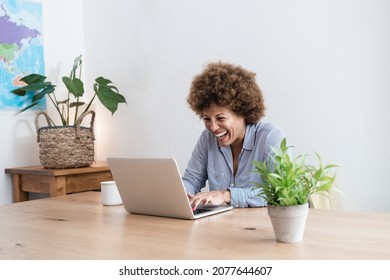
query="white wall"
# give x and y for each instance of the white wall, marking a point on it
(63, 41)
(323, 67)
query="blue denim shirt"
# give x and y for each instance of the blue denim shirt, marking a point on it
(214, 163)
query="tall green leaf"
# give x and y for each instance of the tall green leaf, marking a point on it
(74, 86)
(108, 95)
(33, 79)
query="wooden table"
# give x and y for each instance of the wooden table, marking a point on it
(56, 182)
(78, 226)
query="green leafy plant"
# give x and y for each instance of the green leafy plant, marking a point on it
(290, 180)
(106, 92)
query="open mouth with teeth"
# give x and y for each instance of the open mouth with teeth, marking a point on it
(221, 135)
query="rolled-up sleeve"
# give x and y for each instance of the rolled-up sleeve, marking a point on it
(245, 197)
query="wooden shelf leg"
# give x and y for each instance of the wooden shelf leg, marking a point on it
(57, 186)
(18, 194)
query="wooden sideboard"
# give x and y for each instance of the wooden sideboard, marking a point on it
(57, 182)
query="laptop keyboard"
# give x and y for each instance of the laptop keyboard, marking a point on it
(201, 210)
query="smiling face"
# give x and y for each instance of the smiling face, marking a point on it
(227, 126)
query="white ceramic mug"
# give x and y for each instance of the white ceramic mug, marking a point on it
(110, 193)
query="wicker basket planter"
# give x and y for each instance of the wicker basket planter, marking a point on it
(66, 146)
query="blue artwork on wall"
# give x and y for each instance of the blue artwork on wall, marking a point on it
(21, 48)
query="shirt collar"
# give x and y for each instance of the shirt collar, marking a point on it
(249, 140)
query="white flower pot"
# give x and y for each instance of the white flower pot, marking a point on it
(288, 222)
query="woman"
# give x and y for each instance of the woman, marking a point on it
(231, 105)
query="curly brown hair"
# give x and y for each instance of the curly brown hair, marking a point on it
(230, 86)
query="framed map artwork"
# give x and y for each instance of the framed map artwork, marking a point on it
(21, 48)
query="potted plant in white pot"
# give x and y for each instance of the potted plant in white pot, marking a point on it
(287, 184)
(67, 145)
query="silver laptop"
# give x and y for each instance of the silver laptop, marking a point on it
(153, 186)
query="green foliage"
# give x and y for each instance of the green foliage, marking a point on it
(291, 181)
(106, 92)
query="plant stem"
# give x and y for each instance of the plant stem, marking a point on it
(67, 107)
(58, 109)
(90, 103)
(80, 66)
